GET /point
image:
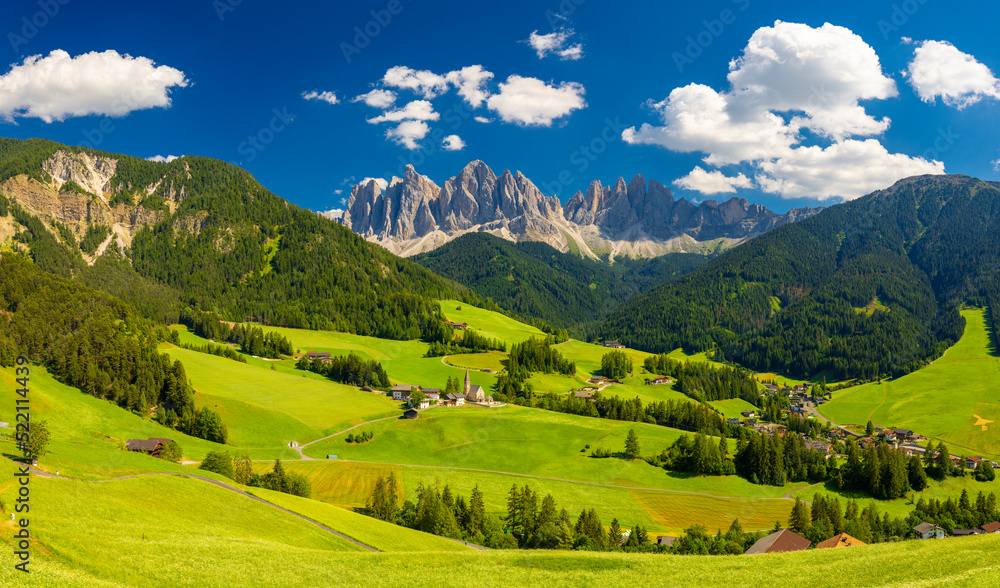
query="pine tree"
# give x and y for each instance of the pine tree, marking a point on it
(869, 428)
(614, 535)
(798, 520)
(632, 445)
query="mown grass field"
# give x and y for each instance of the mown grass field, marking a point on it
(948, 400)
(315, 402)
(349, 484)
(733, 407)
(488, 323)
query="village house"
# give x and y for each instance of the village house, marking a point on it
(459, 326)
(425, 403)
(771, 388)
(454, 399)
(612, 344)
(928, 531)
(966, 532)
(401, 391)
(586, 395)
(322, 356)
(778, 542)
(659, 380)
(993, 527)
(903, 434)
(151, 446)
(734, 421)
(599, 380)
(842, 540)
(820, 446)
(751, 422)
(973, 462)
(431, 393)
(747, 414)
(838, 433)
(588, 389)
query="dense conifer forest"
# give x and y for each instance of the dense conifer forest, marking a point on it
(864, 289)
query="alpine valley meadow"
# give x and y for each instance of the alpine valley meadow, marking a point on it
(717, 311)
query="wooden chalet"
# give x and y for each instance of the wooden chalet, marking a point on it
(320, 355)
(612, 344)
(779, 542)
(151, 446)
(586, 395)
(659, 380)
(842, 540)
(459, 326)
(401, 391)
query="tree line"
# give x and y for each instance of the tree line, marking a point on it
(240, 470)
(350, 369)
(251, 339)
(705, 382)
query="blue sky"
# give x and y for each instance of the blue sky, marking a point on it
(807, 115)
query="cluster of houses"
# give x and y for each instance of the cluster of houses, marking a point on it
(474, 394)
(930, 531)
(151, 446)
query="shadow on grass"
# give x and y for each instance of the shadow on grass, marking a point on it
(993, 345)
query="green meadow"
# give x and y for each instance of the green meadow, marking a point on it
(955, 399)
(488, 323)
(733, 407)
(317, 403)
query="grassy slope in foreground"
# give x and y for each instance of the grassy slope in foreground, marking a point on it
(941, 400)
(249, 546)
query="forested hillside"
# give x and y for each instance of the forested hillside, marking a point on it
(865, 289)
(222, 242)
(533, 279)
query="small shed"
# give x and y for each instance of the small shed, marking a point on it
(411, 414)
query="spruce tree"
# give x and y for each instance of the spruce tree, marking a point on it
(614, 535)
(632, 445)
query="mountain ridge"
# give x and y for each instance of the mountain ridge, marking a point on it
(414, 215)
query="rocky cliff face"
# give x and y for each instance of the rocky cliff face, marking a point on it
(52, 203)
(414, 215)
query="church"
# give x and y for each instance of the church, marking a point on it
(473, 393)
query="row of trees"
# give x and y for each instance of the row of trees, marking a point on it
(251, 339)
(350, 369)
(240, 470)
(470, 342)
(705, 382)
(616, 365)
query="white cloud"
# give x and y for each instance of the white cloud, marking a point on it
(58, 86)
(532, 102)
(555, 43)
(846, 170)
(790, 78)
(939, 69)
(996, 164)
(482, 119)
(713, 182)
(328, 97)
(377, 98)
(338, 191)
(452, 143)
(470, 82)
(380, 182)
(423, 82)
(408, 132)
(162, 159)
(415, 110)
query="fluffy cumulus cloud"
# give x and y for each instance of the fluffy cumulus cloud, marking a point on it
(713, 182)
(470, 82)
(408, 132)
(416, 110)
(532, 102)
(162, 159)
(939, 69)
(58, 86)
(377, 98)
(790, 79)
(452, 143)
(482, 119)
(328, 97)
(424, 83)
(556, 43)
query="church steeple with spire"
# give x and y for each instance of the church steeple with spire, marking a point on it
(468, 383)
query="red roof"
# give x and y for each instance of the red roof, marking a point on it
(783, 540)
(991, 527)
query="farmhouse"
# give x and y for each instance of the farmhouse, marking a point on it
(993, 527)
(612, 344)
(747, 414)
(820, 446)
(659, 380)
(431, 393)
(928, 531)
(780, 541)
(411, 414)
(842, 540)
(734, 421)
(903, 434)
(586, 395)
(972, 462)
(151, 446)
(401, 391)
(966, 532)
(318, 355)
(599, 380)
(454, 399)
(459, 326)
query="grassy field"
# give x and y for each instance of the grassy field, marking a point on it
(733, 407)
(102, 535)
(487, 323)
(348, 484)
(952, 399)
(314, 402)
(477, 361)
(87, 432)
(378, 534)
